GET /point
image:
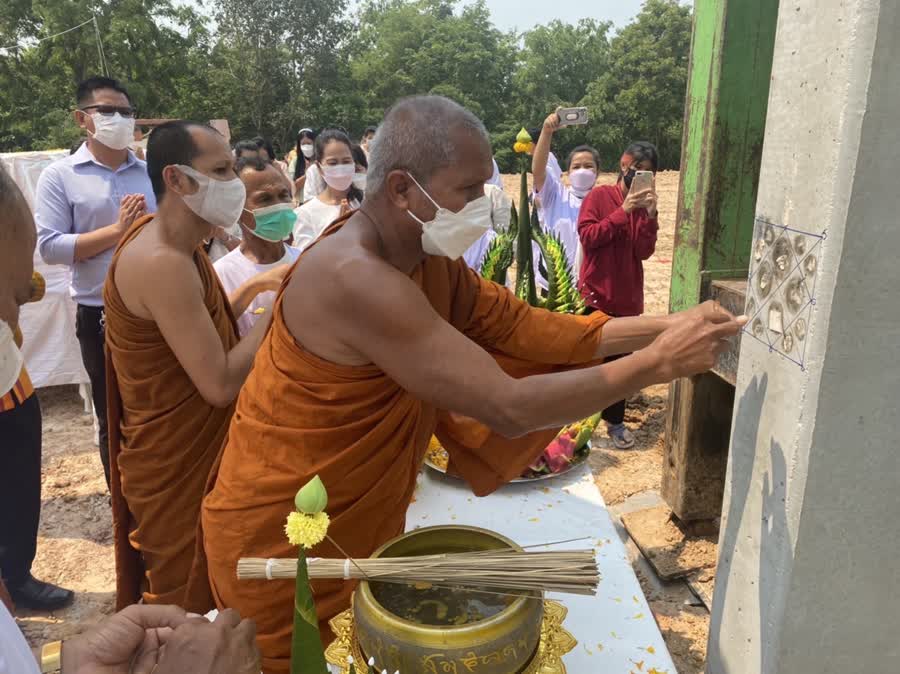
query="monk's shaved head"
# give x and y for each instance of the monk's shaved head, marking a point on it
(17, 241)
(421, 135)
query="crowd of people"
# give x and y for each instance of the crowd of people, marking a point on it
(248, 322)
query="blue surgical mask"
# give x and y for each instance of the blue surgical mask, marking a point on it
(273, 223)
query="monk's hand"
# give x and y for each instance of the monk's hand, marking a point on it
(272, 278)
(202, 647)
(694, 339)
(128, 642)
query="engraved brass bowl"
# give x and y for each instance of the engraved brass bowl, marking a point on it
(502, 644)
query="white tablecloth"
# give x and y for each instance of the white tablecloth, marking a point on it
(615, 629)
(51, 350)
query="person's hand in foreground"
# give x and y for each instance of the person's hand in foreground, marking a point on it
(225, 646)
(141, 638)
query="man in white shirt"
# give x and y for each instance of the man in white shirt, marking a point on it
(267, 220)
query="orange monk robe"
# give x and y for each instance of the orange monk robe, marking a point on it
(366, 437)
(163, 440)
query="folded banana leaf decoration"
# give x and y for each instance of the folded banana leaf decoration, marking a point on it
(514, 244)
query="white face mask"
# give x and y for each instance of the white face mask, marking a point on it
(359, 181)
(115, 132)
(339, 177)
(582, 181)
(219, 202)
(11, 360)
(308, 150)
(451, 234)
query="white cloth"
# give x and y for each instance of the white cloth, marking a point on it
(51, 350)
(217, 249)
(312, 219)
(558, 212)
(495, 176)
(15, 656)
(615, 628)
(500, 206)
(315, 183)
(235, 269)
(500, 215)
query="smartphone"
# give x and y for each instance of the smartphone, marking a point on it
(572, 116)
(643, 180)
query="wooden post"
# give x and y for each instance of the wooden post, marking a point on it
(725, 115)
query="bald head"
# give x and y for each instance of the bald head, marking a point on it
(17, 240)
(180, 142)
(423, 135)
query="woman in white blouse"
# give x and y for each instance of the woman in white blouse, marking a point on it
(334, 159)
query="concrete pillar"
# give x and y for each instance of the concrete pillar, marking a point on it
(808, 577)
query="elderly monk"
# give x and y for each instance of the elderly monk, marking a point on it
(382, 336)
(175, 364)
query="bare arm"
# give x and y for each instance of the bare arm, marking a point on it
(464, 379)
(627, 335)
(91, 244)
(244, 294)
(175, 302)
(542, 151)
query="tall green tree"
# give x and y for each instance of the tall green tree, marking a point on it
(144, 43)
(641, 94)
(426, 46)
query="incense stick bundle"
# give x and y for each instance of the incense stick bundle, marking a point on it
(567, 571)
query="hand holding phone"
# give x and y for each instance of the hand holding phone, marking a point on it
(572, 116)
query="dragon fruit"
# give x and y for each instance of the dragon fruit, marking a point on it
(560, 452)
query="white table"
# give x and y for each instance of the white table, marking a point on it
(615, 629)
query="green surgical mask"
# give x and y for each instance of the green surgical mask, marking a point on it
(273, 223)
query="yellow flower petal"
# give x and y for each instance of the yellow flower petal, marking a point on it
(306, 530)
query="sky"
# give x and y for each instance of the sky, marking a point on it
(524, 14)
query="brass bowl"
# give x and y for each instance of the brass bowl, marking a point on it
(502, 644)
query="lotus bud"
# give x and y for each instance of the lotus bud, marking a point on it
(312, 497)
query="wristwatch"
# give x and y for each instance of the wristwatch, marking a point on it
(51, 657)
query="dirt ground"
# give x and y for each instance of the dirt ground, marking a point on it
(75, 545)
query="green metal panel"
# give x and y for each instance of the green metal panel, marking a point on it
(725, 116)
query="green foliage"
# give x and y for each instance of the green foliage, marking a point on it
(641, 94)
(562, 293)
(498, 258)
(272, 67)
(525, 288)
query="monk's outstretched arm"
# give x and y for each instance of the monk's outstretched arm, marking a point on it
(493, 316)
(175, 302)
(436, 362)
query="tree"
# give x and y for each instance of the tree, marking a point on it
(641, 94)
(421, 47)
(141, 47)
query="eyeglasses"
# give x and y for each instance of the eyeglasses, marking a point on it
(110, 110)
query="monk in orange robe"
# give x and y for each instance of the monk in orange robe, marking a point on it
(174, 365)
(381, 338)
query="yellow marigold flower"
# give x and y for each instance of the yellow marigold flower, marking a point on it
(434, 444)
(522, 148)
(306, 530)
(38, 287)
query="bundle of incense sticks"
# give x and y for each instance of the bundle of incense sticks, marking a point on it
(566, 571)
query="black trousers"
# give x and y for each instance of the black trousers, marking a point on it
(615, 413)
(20, 489)
(89, 330)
